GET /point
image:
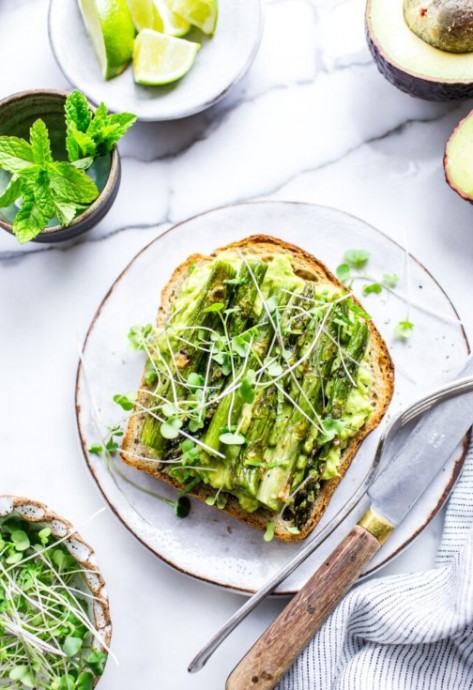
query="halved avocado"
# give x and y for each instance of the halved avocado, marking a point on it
(458, 159)
(410, 62)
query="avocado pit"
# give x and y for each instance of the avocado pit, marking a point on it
(443, 24)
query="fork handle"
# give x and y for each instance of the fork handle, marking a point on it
(276, 650)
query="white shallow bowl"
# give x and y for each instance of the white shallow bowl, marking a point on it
(220, 63)
(210, 545)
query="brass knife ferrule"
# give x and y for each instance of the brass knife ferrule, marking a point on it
(376, 525)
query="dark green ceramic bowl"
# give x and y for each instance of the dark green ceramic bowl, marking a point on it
(17, 114)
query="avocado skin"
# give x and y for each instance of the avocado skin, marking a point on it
(428, 90)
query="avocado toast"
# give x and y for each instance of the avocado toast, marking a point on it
(263, 376)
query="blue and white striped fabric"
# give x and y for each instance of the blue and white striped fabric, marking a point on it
(403, 632)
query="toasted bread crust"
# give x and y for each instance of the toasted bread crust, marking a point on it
(309, 268)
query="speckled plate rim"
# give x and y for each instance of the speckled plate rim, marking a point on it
(189, 111)
(37, 512)
(457, 465)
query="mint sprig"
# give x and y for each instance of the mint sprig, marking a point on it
(42, 183)
(90, 136)
(49, 188)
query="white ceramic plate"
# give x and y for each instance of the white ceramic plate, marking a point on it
(210, 545)
(219, 65)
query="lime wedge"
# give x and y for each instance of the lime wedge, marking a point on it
(161, 59)
(145, 15)
(200, 13)
(112, 32)
(173, 24)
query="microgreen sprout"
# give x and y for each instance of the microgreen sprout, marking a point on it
(231, 438)
(357, 258)
(372, 289)
(343, 272)
(403, 330)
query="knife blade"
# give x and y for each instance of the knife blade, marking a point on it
(393, 493)
(433, 440)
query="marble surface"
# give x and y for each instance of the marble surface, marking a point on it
(312, 121)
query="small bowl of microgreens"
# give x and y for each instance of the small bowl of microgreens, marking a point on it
(59, 164)
(54, 615)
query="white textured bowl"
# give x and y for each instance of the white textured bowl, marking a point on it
(34, 511)
(220, 63)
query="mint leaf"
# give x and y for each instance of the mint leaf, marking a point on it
(72, 148)
(66, 212)
(77, 111)
(117, 125)
(29, 221)
(71, 185)
(78, 117)
(12, 192)
(83, 163)
(40, 144)
(106, 129)
(79, 144)
(42, 195)
(15, 154)
(99, 120)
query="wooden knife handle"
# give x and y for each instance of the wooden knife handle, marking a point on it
(279, 646)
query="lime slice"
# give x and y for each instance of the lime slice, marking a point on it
(161, 59)
(173, 24)
(201, 13)
(112, 32)
(145, 15)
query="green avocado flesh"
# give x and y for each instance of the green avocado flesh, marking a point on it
(443, 24)
(388, 29)
(458, 160)
(258, 381)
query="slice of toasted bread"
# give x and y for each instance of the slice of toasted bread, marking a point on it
(311, 269)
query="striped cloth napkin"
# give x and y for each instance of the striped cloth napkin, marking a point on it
(403, 632)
